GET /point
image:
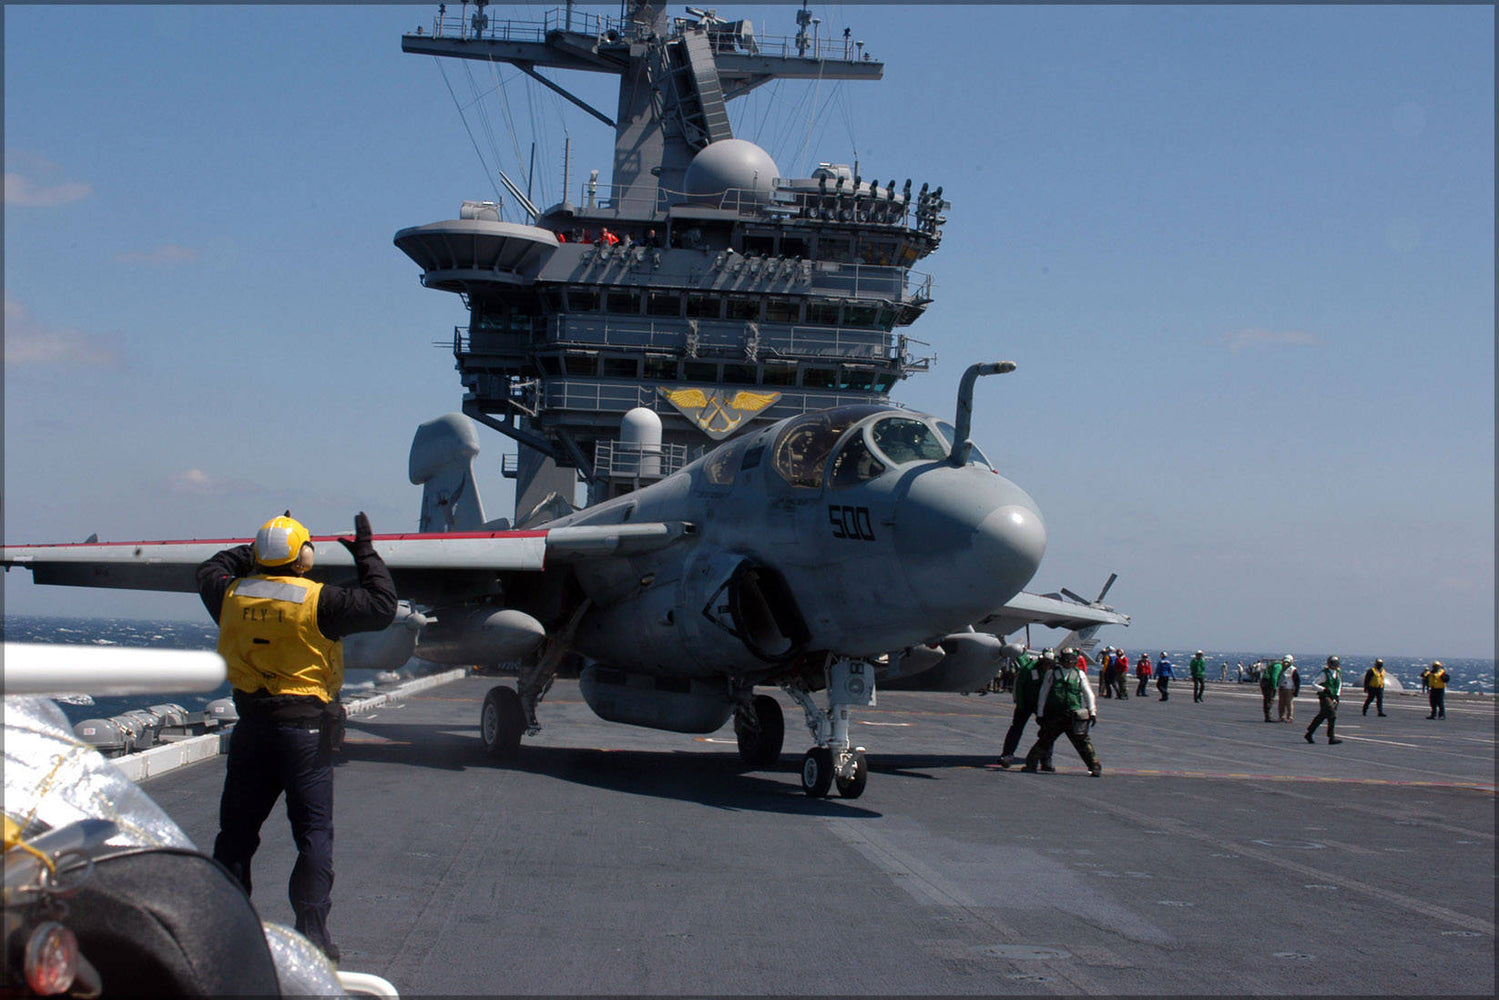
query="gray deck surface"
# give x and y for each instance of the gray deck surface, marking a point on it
(1216, 855)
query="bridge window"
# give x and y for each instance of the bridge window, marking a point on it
(739, 374)
(580, 364)
(782, 311)
(903, 440)
(819, 378)
(779, 375)
(582, 300)
(857, 380)
(699, 371)
(661, 369)
(703, 306)
(663, 304)
(835, 249)
(859, 315)
(822, 313)
(621, 368)
(743, 309)
(627, 303)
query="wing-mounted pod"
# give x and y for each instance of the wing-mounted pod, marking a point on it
(754, 604)
(389, 648)
(480, 633)
(962, 661)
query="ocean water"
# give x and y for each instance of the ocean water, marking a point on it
(1474, 675)
(1467, 674)
(157, 634)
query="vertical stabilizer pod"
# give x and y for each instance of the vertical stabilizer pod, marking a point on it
(442, 463)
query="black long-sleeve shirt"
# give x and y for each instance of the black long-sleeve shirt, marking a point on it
(366, 607)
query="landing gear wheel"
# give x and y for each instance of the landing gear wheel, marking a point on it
(852, 788)
(760, 747)
(817, 771)
(501, 723)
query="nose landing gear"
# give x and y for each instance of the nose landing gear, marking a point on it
(835, 761)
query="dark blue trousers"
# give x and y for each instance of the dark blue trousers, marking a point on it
(265, 760)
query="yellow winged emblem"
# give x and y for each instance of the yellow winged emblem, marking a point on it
(714, 414)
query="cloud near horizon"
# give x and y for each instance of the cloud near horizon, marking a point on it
(23, 192)
(197, 482)
(1240, 340)
(29, 343)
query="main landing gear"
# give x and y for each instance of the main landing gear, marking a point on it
(502, 722)
(510, 713)
(835, 761)
(761, 730)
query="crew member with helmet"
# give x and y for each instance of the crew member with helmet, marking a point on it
(1374, 687)
(1143, 672)
(1164, 675)
(1287, 688)
(1028, 674)
(1121, 676)
(1329, 686)
(1065, 705)
(1269, 680)
(1435, 679)
(1198, 668)
(280, 633)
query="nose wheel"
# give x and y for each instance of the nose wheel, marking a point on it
(820, 775)
(835, 761)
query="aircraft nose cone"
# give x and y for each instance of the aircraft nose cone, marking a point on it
(969, 540)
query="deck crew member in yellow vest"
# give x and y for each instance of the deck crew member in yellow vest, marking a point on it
(1374, 687)
(280, 632)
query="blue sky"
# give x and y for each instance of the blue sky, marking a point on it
(1243, 256)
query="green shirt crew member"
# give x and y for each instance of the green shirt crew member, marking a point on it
(1198, 669)
(1028, 672)
(1329, 686)
(1374, 687)
(1065, 705)
(1269, 681)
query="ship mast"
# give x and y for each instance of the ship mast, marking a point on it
(701, 283)
(674, 84)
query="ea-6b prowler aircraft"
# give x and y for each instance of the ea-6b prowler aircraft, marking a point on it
(828, 552)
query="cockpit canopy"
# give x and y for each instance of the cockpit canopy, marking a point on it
(863, 442)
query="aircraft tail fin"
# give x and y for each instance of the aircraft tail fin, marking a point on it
(1083, 640)
(442, 464)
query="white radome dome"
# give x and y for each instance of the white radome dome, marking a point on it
(728, 164)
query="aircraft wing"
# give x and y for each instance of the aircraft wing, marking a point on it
(1034, 609)
(422, 564)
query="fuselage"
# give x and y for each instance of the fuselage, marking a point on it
(847, 531)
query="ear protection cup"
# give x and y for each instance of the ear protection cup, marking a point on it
(305, 559)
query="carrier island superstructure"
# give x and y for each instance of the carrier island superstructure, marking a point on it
(700, 285)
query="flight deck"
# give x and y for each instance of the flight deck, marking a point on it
(1217, 854)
